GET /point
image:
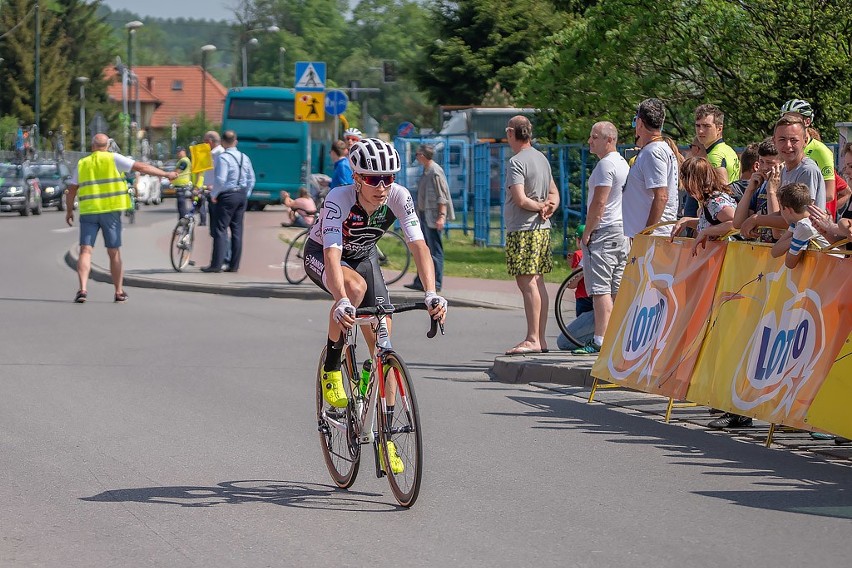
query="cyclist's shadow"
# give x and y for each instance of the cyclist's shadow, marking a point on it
(287, 493)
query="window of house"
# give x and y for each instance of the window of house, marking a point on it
(177, 85)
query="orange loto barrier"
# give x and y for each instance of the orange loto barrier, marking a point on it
(660, 315)
(754, 338)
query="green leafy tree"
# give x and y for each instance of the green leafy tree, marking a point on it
(747, 56)
(479, 41)
(90, 47)
(17, 97)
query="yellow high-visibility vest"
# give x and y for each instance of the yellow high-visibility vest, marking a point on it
(102, 188)
(184, 177)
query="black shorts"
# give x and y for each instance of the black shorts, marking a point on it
(368, 268)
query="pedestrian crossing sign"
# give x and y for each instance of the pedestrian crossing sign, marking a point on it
(310, 107)
(310, 76)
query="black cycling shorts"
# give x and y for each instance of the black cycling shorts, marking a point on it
(368, 268)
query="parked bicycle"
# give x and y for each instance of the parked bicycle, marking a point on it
(183, 237)
(343, 431)
(565, 306)
(394, 257)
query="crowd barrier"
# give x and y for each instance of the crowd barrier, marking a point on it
(732, 328)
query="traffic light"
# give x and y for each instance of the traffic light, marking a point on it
(389, 71)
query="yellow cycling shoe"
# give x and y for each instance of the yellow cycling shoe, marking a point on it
(395, 461)
(332, 389)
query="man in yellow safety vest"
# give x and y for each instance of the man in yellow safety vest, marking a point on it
(100, 187)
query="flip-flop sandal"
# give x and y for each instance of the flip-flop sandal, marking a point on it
(80, 298)
(523, 351)
(121, 297)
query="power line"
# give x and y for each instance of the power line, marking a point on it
(19, 24)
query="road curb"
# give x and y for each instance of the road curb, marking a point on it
(252, 290)
(543, 368)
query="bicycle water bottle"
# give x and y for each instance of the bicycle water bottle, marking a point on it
(365, 377)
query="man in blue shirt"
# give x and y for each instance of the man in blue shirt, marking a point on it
(342, 174)
(232, 184)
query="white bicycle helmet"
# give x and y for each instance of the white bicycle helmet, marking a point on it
(353, 132)
(798, 106)
(374, 156)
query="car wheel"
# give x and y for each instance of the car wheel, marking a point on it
(60, 206)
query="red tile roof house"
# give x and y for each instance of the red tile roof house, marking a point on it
(169, 94)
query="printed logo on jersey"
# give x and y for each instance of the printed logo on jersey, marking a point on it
(782, 351)
(332, 211)
(316, 264)
(409, 206)
(643, 334)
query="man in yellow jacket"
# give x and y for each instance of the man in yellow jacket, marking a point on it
(98, 184)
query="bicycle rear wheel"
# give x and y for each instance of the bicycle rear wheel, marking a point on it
(337, 429)
(566, 306)
(181, 248)
(403, 429)
(294, 260)
(394, 256)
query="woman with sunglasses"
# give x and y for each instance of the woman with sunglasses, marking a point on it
(341, 256)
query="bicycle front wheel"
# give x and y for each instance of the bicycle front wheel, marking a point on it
(394, 256)
(402, 429)
(566, 306)
(337, 428)
(181, 248)
(294, 260)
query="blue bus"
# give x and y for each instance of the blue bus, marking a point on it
(281, 149)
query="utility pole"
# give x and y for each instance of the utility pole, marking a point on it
(37, 106)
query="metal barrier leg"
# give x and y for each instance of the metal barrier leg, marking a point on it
(770, 435)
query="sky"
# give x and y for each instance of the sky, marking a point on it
(206, 9)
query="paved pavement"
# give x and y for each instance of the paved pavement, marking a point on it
(145, 251)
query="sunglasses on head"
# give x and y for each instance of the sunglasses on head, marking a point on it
(634, 121)
(376, 180)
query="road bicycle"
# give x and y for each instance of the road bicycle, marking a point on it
(183, 237)
(366, 419)
(565, 306)
(394, 257)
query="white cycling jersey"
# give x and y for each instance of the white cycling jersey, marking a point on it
(345, 225)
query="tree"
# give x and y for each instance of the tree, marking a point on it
(17, 96)
(479, 41)
(747, 56)
(90, 47)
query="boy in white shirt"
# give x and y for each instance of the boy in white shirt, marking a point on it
(794, 200)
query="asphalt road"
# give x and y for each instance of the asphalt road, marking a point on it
(179, 430)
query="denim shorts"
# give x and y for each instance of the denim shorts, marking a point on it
(109, 223)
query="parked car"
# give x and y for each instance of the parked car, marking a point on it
(19, 189)
(52, 177)
(148, 189)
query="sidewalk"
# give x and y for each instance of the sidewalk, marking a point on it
(145, 251)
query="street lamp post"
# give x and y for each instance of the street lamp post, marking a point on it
(37, 105)
(253, 41)
(131, 28)
(281, 51)
(205, 49)
(82, 81)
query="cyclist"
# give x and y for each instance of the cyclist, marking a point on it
(341, 256)
(815, 149)
(351, 136)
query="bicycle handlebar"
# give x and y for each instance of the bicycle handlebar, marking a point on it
(388, 309)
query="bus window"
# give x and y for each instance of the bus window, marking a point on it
(258, 109)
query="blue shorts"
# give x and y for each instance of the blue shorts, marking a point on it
(109, 223)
